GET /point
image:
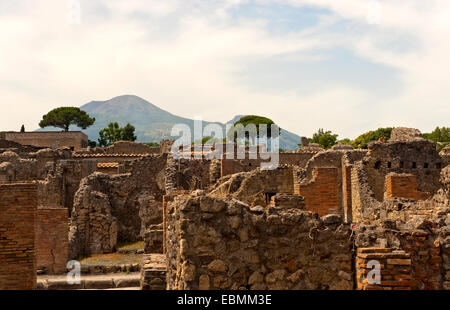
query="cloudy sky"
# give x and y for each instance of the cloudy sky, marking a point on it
(344, 65)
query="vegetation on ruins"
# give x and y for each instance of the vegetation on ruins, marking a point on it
(345, 141)
(152, 144)
(363, 140)
(22, 129)
(209, 140)
(63, 117)
(114, 133)
(252, 120)
(325, 139)
(440, 136)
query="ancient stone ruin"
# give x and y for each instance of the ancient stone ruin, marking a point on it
(318, 221)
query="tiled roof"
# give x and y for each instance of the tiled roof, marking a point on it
(108, 165)
(109, 155)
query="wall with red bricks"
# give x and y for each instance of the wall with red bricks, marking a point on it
(413, 260)
(17, 236)
(52, 244)
(403, 185)
(395, 269)
(321, 192)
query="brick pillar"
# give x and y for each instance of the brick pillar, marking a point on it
(18, 204)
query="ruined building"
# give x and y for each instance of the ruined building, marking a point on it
(317, 221)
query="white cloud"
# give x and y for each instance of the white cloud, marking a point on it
(183, 57)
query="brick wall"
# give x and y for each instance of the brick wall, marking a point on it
(52, 245)
(403, 186)
(395, 269)
(417, 265)
(17, 236)
(321, 192)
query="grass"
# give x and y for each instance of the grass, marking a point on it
(130, 245)
(111, 259)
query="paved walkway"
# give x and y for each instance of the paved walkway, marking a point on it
(97, 281)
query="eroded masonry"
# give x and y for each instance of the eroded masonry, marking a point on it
(321, 220)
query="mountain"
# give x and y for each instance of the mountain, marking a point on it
(152, 123)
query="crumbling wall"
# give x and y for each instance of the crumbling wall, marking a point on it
(418, 157)
(52, 242)
(51, 139)
(17, 236)
(425, 241)
(122, 147)
(445, 155)
(256, 187)
(14, 169)
(215, 243)
(365, 208)
(122, 206)
(395, 274)
(187, 174)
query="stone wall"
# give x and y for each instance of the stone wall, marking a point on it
(418, 157)
(153, 239)
(153, 272)
(231, 166)
(215, 243)
(256, 187)
(121, 207)
(51, 139)
(122, 147)
(17, 236)
(52, 243)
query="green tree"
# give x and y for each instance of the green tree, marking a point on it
(65, 116)
(110, 134)
(255, 120)
(438, 135)
(363, 140)
(346, 141)
(114, 133)
(22, 129)
(128, 133)
(325, 139)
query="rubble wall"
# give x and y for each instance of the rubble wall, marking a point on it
(215, 243)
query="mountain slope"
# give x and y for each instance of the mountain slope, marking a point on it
(152, 123)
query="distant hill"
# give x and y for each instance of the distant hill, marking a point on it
(152, 123)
